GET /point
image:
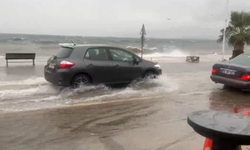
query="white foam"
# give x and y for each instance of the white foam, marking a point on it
(44, 96)
(165, 84)
(5, 94)
(49, 98)
(175, 53)
(127, 93)
(27, 107)
(19, 93)
(131, 47)
(147, 48)
(138, 89)
(29, 81)
(152, 49)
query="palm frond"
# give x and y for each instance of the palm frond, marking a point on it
(220, 39)
(238, 29)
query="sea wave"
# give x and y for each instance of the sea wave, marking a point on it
(175, 53)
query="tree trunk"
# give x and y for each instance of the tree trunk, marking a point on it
(238, 48)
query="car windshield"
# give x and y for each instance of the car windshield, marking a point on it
(243, 59)
(64, 53)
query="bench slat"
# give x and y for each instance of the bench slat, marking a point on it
(20, 56)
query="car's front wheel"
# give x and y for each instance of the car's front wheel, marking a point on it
(149, 75)
(80, 81)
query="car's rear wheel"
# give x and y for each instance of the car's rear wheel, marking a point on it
(80, 81)
(149, 75)
(226, 86)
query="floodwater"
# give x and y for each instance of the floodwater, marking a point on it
(150, 115)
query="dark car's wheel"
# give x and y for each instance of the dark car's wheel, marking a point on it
(149, 75)
(80, 80)
(226, 86)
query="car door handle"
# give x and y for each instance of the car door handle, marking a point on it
(90, 66)
(117, 66)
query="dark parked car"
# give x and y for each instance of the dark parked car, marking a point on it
(234, 72)
(74, 65)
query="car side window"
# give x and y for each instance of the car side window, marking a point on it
(96, 54)
(137, 59)
(120, 55)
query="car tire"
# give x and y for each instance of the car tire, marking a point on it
(80, 80)
(149, 75)
(226, 86)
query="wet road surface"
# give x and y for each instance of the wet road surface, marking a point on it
(155, 123)
(145, 116)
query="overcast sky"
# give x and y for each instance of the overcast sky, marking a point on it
(122, 18)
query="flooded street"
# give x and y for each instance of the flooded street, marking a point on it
(150, 115)
(184, 39)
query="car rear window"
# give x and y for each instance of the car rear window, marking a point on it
(64, 52)
(242, 59)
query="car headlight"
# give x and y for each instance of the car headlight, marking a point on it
(157, 66)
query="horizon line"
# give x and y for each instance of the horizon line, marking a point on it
(106, 36)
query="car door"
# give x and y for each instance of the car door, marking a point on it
(125, 69)
(99, 65)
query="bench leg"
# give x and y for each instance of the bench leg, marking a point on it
(33, 62)
(6, 62)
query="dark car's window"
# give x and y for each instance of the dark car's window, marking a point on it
(96, 54)
(120, 55)
(241, 59)
(64, 53)
(137, 58)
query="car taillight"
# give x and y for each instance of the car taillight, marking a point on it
(245, 77)
(66, 64)
(214, 70)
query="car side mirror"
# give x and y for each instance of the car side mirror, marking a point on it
(135, 61)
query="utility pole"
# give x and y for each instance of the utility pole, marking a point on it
(224, 32)
(143, 33)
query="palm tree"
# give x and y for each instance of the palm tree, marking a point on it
(238, 31)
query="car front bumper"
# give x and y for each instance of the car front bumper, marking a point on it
(158, 71)
(231, 82)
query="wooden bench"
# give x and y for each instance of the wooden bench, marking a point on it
(15, 56)
(192, 59)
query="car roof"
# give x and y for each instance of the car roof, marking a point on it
(70, 45)
(87, 46)
(245, 54)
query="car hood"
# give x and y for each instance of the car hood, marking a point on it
(149, 62)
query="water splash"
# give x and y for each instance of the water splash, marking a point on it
(174, 53)
(29, 81)
(48, 96)
(154, 87)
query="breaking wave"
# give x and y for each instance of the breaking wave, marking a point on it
(175, 53)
